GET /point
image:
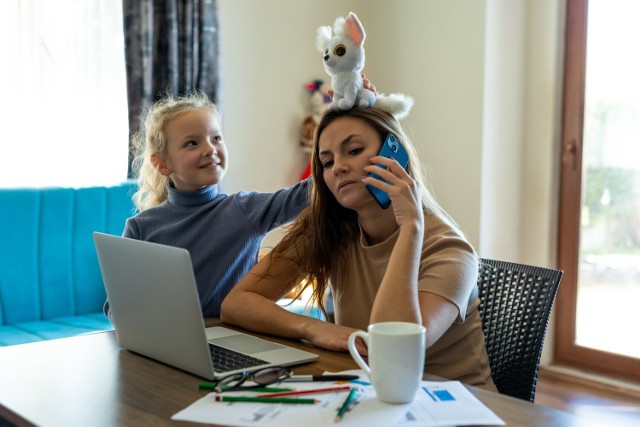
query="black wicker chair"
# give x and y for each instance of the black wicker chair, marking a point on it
(515, 304)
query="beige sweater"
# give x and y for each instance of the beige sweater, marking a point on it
(449, 268)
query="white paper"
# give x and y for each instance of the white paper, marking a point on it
(447, 403)
(435, 404)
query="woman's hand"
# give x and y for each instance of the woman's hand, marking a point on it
(334, 337)
(404, 192)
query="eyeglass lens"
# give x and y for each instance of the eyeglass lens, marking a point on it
(262, 377)
(270, 375)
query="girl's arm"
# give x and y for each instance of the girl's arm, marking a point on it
(266, 211)
(252, 305)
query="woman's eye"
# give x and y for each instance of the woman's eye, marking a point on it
(327, 164)
(356, 151)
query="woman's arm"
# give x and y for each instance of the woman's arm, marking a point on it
(438, 314)
(398, 298)
(252, 305)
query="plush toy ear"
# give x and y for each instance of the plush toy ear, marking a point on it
(355, 29)
(323, 35)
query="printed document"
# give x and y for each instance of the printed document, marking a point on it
(436, 404)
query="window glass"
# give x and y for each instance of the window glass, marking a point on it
(64, 106)
(609, 272)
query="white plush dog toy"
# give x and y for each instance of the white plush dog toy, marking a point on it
(343, 56)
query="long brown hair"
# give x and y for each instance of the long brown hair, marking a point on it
(323, 230)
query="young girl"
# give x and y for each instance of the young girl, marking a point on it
(406, 263)
(181, 157)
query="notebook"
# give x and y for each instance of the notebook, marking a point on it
(156, 312)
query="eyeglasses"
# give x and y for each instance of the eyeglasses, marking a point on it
(261, 378)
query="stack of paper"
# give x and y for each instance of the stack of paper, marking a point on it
(436, 404)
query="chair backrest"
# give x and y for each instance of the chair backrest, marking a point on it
(515, 304)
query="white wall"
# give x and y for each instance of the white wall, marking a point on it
(268, 54)
(432, 50)
(486, 77)
(521, 128)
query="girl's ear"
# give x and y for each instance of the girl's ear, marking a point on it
(160, 164)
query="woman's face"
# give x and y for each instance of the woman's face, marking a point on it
(344, 149)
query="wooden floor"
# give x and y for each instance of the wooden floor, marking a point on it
(607, 405)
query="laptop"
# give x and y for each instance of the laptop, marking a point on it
(156, 312)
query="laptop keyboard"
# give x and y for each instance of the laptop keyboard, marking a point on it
(225, 360)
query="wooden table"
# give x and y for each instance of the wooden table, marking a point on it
(89, 381)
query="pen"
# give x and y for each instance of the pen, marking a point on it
(345, 405)
(314, 391)
(305, 378)
(256, 389)
(262, 399)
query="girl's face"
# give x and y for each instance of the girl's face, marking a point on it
(196, 155)
(344, 149)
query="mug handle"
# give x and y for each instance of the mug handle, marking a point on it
(354, 351)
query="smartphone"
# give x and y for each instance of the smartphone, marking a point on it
(391, 148)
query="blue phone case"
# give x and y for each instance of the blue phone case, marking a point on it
(391, 148)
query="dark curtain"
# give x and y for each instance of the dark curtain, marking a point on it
(170, 46)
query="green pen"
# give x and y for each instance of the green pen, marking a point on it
(263, 399)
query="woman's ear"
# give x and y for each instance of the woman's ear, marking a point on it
(160, 164)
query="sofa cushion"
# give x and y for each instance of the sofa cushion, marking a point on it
(50, 282)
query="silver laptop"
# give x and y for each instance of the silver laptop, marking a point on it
(156, 312)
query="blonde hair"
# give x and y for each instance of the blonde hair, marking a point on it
(151, 140)
(325, 228)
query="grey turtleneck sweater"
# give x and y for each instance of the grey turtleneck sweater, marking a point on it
(222, 232)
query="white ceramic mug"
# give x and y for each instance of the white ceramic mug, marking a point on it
(396, 358)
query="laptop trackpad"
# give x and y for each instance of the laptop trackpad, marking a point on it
(246, 344)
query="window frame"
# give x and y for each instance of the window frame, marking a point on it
(566, 351)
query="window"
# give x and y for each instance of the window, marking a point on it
(64, 101)
(599, 242)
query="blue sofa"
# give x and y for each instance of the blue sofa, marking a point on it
(50, 281)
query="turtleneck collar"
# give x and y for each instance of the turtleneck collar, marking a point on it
(192, 198)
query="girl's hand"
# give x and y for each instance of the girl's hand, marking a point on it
(366, 84)
(404, 192)
(334, 337)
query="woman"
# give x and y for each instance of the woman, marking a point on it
(406, 263)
